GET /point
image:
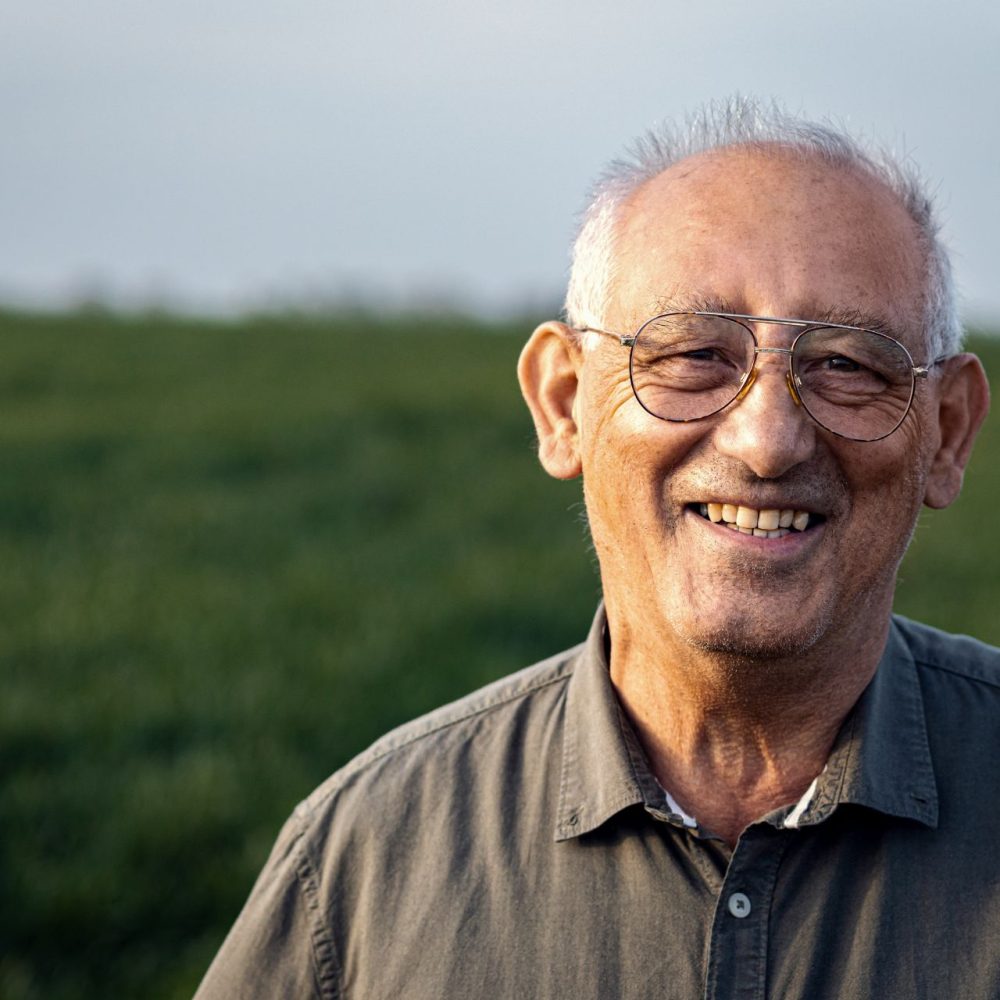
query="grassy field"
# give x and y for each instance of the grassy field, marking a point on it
(233, 555)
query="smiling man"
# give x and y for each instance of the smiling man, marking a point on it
(751, 780)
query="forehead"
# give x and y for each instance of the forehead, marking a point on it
(769, 233)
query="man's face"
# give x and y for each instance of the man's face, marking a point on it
(771, 236)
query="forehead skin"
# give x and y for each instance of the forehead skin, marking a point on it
(770, 232)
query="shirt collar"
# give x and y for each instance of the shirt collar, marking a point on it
(880, 759)
(604, 769)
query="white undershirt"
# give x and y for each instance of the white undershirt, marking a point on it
(791, 821)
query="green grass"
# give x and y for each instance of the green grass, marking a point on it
(234, 554)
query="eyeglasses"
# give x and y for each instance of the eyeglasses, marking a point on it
(858, 384)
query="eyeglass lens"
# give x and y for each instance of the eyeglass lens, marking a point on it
(856, 383)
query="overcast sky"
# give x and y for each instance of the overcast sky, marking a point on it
(221, 155)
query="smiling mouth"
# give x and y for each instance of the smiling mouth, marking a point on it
(766, 523)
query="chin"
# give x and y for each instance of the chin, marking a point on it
(752, 637)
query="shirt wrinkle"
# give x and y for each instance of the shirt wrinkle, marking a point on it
(327, 967)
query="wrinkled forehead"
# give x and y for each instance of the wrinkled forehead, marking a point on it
(769, 233)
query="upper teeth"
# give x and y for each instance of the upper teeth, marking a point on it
(769, 523)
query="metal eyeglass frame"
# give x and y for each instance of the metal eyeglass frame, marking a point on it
(748, 378)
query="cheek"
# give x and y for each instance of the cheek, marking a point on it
(614, 440)
(887, 490)
(628, 475)
(604, 401)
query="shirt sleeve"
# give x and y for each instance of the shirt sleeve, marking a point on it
(280, 946)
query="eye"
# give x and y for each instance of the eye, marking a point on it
(676, 354)
(838, 363)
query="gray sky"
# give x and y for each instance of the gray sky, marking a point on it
(224, 154)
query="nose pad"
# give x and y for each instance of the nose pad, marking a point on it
(748, 380)
(750, 377)
(790, 382)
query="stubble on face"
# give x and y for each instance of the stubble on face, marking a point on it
(756, 621)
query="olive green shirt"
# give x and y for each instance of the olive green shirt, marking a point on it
(516, 844)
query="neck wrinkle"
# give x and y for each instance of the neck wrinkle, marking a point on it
(733, 738)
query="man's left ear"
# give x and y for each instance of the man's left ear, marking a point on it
(963, 402)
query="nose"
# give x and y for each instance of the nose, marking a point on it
(765, 427)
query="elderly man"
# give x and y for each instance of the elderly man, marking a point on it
(751, 780)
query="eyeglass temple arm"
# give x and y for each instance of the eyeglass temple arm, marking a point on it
(625, 339)
(922, 371)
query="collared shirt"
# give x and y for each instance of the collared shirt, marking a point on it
(516, 844)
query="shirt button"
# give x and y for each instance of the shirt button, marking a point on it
(739, 905)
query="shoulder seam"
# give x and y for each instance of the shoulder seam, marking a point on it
(471, 714)
(364, 761)
(328, 972)
(965, 675)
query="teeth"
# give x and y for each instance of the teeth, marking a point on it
(769, 519)
(768, 523)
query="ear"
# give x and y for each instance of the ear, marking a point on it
(963, 402)
(548, 371)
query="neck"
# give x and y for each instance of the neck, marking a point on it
(734, 737)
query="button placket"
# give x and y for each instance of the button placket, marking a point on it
(737, 960)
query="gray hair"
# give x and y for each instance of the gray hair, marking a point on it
(746, 122)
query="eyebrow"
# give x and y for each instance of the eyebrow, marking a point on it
(695, 303)
(837, 315)
(858, 317)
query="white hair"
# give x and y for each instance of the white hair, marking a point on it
(747, 122)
